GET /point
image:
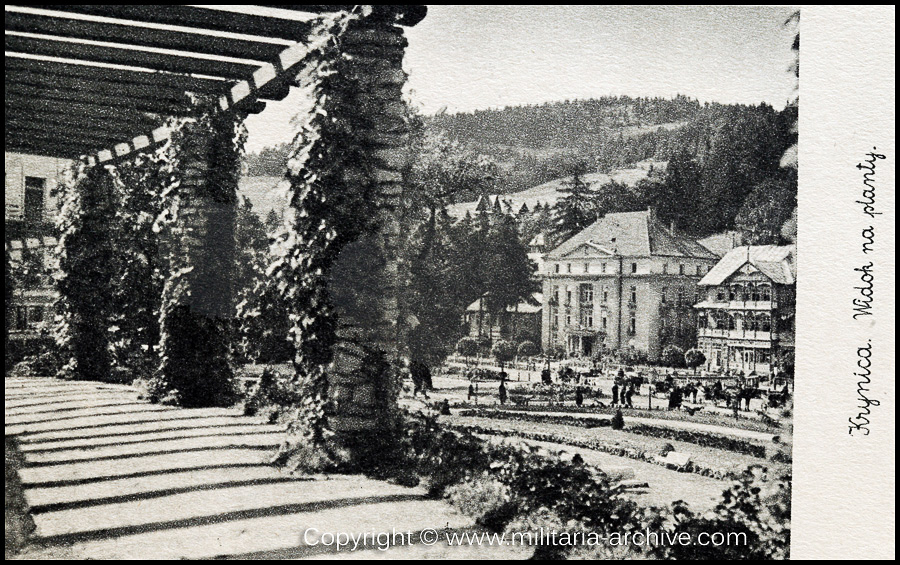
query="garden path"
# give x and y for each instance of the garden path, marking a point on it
(108, 475)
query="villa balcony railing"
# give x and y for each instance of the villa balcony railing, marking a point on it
(757, 335)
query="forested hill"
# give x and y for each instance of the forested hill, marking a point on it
(571, 125)
(723, 159)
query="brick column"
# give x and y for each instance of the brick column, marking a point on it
(363, 383)
(198, 303)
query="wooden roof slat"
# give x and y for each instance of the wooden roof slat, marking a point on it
(62, 121)
(98, 86)
(66, 26)
(148, 102)
(35, 131)
(171, 62)
(118, 75)
(61, 149)
(17, 104)
(197, 17)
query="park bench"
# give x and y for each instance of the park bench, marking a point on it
(635, 486)
(679, 461)
(520, 400)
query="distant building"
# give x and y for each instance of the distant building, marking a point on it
(517, 323)
(31, 183)
(32, 305)
(745, 320)
(31, 210)
(625, 281)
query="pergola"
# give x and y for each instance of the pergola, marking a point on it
(100, 83)
(100, 80)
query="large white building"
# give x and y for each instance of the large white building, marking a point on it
(626, 281)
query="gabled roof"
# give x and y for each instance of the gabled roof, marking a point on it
(774, 261)
(633, 234)
(531, 306)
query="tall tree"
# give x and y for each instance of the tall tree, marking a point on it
(509, 273)
(576, 209)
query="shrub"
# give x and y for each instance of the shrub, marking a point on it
(666, 449)
(486, 499)
(693, 358)
(467, 347)
(618, 422)
(672, 356)
(528, 349)
(503, 351)
(270, 395)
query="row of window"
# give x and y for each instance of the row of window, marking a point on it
(586, 320)
(747, 293)
(586, 295)
(728, 321)
(682, 268)
(718, 356)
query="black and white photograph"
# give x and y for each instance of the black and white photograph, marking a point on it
(419, 282)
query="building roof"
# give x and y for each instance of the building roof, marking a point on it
(633, 234)
(532, 306)
(774, 261)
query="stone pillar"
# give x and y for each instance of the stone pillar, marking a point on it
(198, 300)
(363, 383)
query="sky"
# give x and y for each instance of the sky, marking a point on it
(462, 58)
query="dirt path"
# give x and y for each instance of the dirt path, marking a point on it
(110, 476)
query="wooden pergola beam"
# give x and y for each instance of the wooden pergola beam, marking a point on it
(133, 75)
(64, 25)
(197, 17)
(144, 103)
(15, 104)
(121, 130)
(83, 136)
(109, 54)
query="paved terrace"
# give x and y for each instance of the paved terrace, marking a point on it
(110, 476)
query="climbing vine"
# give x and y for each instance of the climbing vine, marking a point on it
(86, 271)
(196, 309)
(331, 190)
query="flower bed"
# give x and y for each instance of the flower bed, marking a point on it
(746, 423)
(704, 439)
(597, 445)
(701, 438)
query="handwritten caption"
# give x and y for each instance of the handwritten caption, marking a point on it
(864, 301)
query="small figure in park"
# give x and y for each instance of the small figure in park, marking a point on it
(471, 391)
(546, 378)
(628, 394)
(421, 377)
(615, 393)
(502, 393)
(445, 408)
(579, 397)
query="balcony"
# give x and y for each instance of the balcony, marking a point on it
(757, 335)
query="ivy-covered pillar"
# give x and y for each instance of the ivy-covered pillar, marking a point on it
(338, 266)
(197, 304)
(86, 271)
(365, 282)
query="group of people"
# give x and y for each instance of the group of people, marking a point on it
(623, 395)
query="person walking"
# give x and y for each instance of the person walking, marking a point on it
(471, 391)
(579, 397)
(615, 393)
(502, 393)
(628, 394)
